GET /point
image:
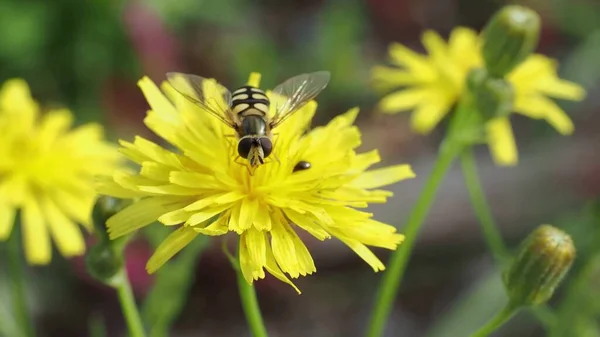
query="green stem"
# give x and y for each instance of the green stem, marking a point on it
(493, 324)
(393, 276)
(491, 234)
(17, 285)
(250, 306)
(127, 300)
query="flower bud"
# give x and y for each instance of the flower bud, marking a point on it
(509, 37)
(103, 263)
(493, 97)
(544, 258)
(104, 208)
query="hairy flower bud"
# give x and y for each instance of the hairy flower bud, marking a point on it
(509, 37)
(543, 260)
(493, 97)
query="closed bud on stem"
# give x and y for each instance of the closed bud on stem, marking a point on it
(104, 208)
(493, 97)
(509, 37)
(543, 260)
(104, 263)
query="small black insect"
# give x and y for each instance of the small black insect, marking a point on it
(301, 166)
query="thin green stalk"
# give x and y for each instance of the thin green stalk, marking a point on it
(392, 278)
(127, 300)
(491, 234)
(17, 285)
(493, 324)
(250, 306)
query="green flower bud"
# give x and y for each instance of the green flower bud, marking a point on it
(104, 208)
(543, 260)
(509, 37)
(103, 263)
(493, 97)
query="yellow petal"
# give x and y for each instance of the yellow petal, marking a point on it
(434, 44)
(384, 176)
(363, 161)
(254, 80)
(7, 219)
(502, 142)
(563, 89)
(361, 250)
(405, 57)
(194, 180)
(429, 113)
(307, 223)
(65, 232)
(386, 78)
(141, 213)
(200, 216)
(373, 233)
(274, 270)
(216, 228)
(402, 100)
(111, 188)
(464, 43)
(262, 220)
(15, 98)
(169, 190)
(541, 107)
(291, 254)
(54, 124)
(14, 188)
(143, 149)
(77, 205)
(155, 171)
(158, 102)
(247, 212)
(175, 217)
(175, 242)
(35, 234)
(256, 245)
(250, 270)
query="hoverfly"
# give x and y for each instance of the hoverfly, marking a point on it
(247, 108)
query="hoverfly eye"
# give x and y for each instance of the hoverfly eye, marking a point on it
(244, 146)
(266, 145)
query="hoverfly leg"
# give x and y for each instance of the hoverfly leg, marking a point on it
(276, 158)
(240, 161)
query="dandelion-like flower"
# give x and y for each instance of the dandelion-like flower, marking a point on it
(202, 190)
(433, 83)
(47, 172)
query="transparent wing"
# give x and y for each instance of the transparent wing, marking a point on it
(205, 93)
(297, 91)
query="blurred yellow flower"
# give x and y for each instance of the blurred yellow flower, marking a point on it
(433, 83)
(201, 190)
(47, 172)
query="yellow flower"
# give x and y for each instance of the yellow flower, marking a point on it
(201, 190)
(47, 173)
(433, 83)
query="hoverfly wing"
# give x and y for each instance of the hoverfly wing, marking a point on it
(205, 93)
(297, 91)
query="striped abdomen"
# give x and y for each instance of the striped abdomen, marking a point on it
(247, 101)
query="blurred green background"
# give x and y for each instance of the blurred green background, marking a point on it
(88, 55)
